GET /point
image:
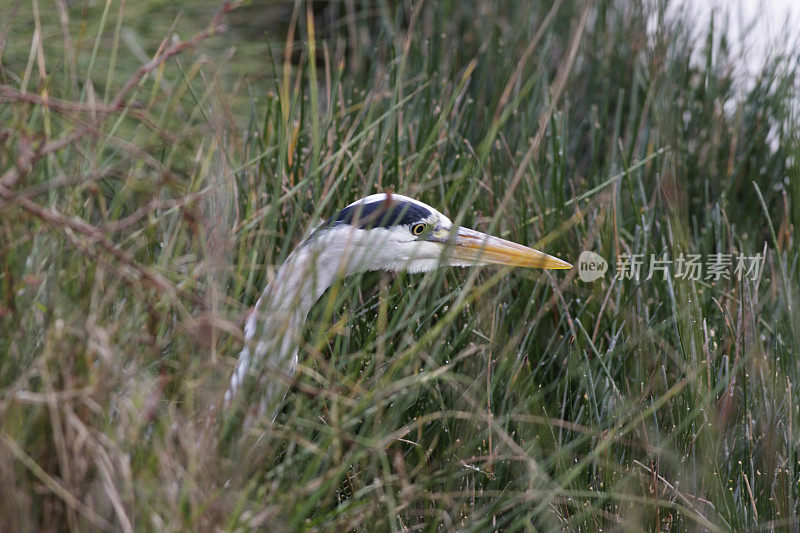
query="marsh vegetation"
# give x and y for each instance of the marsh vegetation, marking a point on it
(159, 159)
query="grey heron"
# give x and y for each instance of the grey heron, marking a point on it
(379, 232)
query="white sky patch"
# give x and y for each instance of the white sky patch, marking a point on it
(757, 29)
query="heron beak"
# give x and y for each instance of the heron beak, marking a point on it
(477, 247)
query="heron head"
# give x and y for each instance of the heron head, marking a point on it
(395, 232)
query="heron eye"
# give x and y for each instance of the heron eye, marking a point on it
(419, 229)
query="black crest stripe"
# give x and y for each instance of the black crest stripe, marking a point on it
(379, 215)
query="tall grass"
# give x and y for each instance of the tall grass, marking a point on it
(156, 166)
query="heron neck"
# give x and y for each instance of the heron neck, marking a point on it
(273, 327)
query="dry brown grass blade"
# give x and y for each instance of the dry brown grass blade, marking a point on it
(52, 484)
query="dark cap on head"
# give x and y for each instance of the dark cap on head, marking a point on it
(380, 214)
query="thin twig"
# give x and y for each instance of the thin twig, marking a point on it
(95, 235)
(24, 163)
(214, 28)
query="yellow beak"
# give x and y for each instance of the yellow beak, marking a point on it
(472, 246)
